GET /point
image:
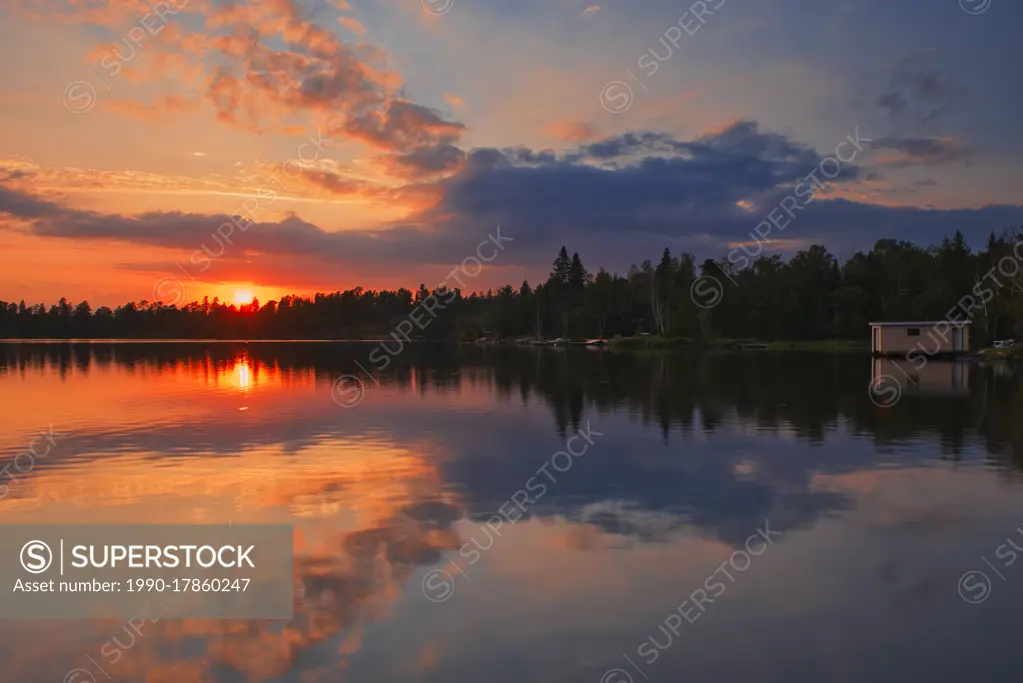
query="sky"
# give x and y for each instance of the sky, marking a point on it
(170, 150)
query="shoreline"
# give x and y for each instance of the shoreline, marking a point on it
(640, 343)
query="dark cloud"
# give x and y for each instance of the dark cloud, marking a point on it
(427, 161)
(917, 89)
(190, 231)
(893, 102)
(403, 126)
(656, 184)
(521, 155)
(745, 138)
(626, 145)
(23, 205)
(618, 201)
(923, 151)
(624, 198)
(12, 175)
(739, 144)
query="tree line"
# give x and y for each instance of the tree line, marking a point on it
(811, 296)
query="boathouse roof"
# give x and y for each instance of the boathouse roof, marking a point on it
(923, 323)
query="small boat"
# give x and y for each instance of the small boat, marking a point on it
(595, 342)
(561, 341)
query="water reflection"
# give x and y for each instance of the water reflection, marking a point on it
(930, 378)
(698, 451)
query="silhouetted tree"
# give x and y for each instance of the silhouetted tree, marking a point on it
(811, 296)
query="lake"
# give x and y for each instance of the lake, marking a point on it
(507, 514)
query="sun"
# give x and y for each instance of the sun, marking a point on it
(242, 297)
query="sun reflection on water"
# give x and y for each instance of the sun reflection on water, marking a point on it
(243, 374)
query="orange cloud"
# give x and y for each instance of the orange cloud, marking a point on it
(352, 24)
(571, 131)
(454, 100)
(164, 106)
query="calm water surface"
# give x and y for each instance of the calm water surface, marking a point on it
(873, 514)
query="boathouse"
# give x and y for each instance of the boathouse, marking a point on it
(935, 337)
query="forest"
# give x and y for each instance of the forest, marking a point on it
(810, 297)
